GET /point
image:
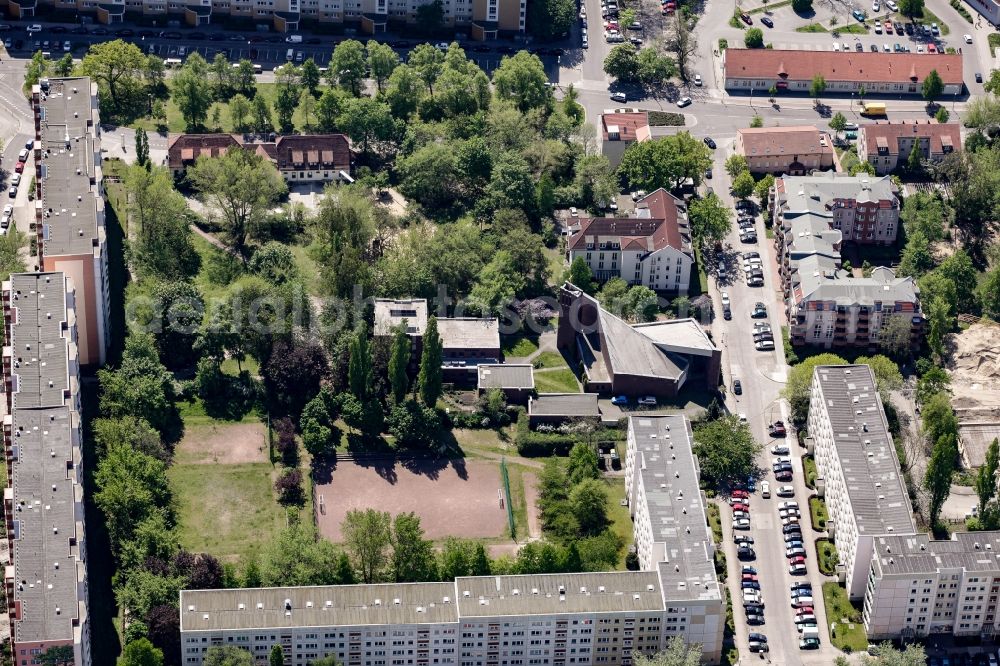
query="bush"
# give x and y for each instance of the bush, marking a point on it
(665, 119)
(414, 425)
(285, 445)
(959, 7)
(791, 358)
(289, 488)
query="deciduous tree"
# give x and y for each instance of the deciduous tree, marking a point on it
(726, 450)
(382, 60)
(140, 653)
(521, 79)
(412, 555)
(986, 477)
(932, 86)
(711, 220)
(367, 537)
(347, 66)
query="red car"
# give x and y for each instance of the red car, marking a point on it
(804, 610)
(740, 493)
(749, 577)
(740, 506)
(19, 168)
(783, 476)
(798, 559)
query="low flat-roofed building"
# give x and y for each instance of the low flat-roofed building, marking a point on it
(517, 381)
(887, 145)
(845, 72)
(391, 312)
(46, 579)
(620, 128)
(69, 203)
(558, 408)
(466, 343)
(785, 150)
(654, 359)
(856, 461)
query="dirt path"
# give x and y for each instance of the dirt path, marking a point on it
(530, 482)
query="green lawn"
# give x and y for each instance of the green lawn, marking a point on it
(827, 556)
(770, 7)
(715, 521)
(809, 466)
(549, 359)
(849, 634)
(518, 345)
(811, 27)
(175, 122)
(852, 29)
(621, 521)
(556, 381)
(193, 413)
(817, 511)
(226, 510)
(214, 263)
(308, 268)
(517, 501)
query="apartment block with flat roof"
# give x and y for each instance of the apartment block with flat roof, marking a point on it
(69, 203)
(856, 460)
(46, 580)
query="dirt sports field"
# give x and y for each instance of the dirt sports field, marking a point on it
(459, 499)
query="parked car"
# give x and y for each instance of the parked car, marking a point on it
(755, 619)
(33, 28)
(805, 619)
(647, 401)
(619, 400)
(710, 142)
(756, 646)
(796, 569)
(759, 311)
(765, 489)
(783, 476)
(619, 97)
(788, 505)
(777, 429)
(766, 20)
(746, 18)
(779, 450)
(786, 491)
(743, 540)
(747, 569)
(683, 101)
(737, 387)
(746, 553)
(12, 192)
(811, 643)
(788, 529)
(741, 524)
(792, 552)
(19, 167)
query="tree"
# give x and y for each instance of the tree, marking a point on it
(684, 45)
(139, 653)
(141, 387)
(579, 274)
(192, 92)
(367, 536)
(937, 480)
(227, 655)
(894, 335)
(64, 66)
(986, 476)
(499, 282)
(428, 62)
(521, 79)
(221, 72)
(242, 186)
(399, 361)
(277, 657)
(131, 487)
(359, 371)
(743, 185)
(309, 76)
(710, 220)
(347, 66)
(161, 245)
(736, 164)
(940, 323)
(244, 80)
(799, 386)
(292, 373)
(296, 558)
(317, 433)
(430, 18)
(622, 63)
(368, 122)
(382, 60)
(888, 655)
(261, 114)
(550, 19)
(412, 555)
(163, 627)
(287, 94)
(429, 378)
(588, 501)
(817, 87)
(933, 86)
(886, 373)
(274, 262)
(913, 161)
(838, 123)
(754, 38)
(38, 68)
(180, 307)
(911, 8)
(916, 258)
(938, 418)
(665, 162)
(989, 293)
(58, 655)
(307, 109)
(942, 115)
(762, 190)
(404, 90)
(756, 121)
(677, 653)
(142, 148)
(726, 450)
(133, 432)
(595, 180)
(118, 68)
(653, 69)
(582, 463)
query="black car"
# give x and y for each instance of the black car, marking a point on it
(908, 28)
(99, 31)
(237, 38)
(753, 607)
(755, 619)
(79, 30)
(18, 43)
(859, 47)
(743, 539)
(767, 21)
(197, 35)
(58, 29)
(709, 142)
(746, 553)
(146, 33)
(979, 77)
(750, 585)
(219, 37)
(314, 40)
(758, 647)
(124, 32)
(874, 48)
(791, 528)
(737, 387)
(171, 35)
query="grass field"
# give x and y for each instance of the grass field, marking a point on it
(811, 27)
(550, 359)
(518, 346)
(621, 521)
(849, 634)
(556, 381)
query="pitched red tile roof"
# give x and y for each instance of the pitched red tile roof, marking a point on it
(628, 124)
(646, 233)
(886, 133)
(798, 140)
(186, 148)
(841, 66)
(293, 151)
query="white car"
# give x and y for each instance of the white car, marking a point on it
(885, 47)
(836, 46)
(779, 450)
(33, 28)
(67, 47)
(789, 513)
(788, 505)
(781, 459)
(697, 77)
(891, 4)
(683, 101)
(799, 602)
(786, 491)
(765, 489)
(788, 521)
(743, 418)
(619, 97)
(751, 595)
(742, 524)
(647, 401)
(725, 299)
(876, 6)
(967, 38)
(796, 569)
(573, 212)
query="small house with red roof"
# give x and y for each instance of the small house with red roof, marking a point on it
(651, 248)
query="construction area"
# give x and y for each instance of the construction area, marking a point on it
(974, 364)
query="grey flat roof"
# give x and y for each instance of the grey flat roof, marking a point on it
(44, 496)
(503, 376)
(918, 554)
(390, 312)
(37, 345)
(318, 606)
(865, 449)
(468, 333)
(975, 438)
(67, 150)
(564, 404)
(680, 335)
(666, 463)
(551, 594)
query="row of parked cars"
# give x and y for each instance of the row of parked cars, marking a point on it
(800, 595)
(753, 604)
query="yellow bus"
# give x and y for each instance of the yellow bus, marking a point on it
(874, 109)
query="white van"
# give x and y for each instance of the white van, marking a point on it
(290, 55)
(170, 63)
(294, 39)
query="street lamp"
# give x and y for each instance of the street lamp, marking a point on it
(751, 97)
